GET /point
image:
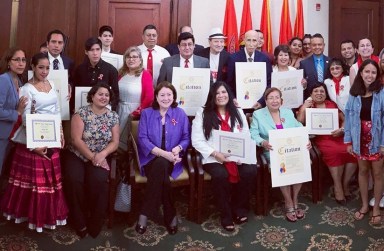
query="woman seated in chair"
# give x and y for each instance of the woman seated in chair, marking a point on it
(231, 181)
(274, 117)
(341, 164)
(95, 136)
(163, 137)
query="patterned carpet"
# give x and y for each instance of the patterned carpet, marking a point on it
(327, 226)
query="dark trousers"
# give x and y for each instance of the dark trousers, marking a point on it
(232, 199)
(158, 190)
(86, 189)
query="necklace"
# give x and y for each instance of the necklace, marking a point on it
(41, 86)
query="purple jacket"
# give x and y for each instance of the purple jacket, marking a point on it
(177, 129)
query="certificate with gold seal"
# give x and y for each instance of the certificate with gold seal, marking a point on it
(321, 121)
(251, 81)
(290, 161)
(43, 130)
(192, 87)
(237, 146)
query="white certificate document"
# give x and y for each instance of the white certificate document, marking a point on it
(43, 130)
(321, 121)
(290, 162)
(251, 81)
(114, 59)
(81, 96)
(192, 87)
(238, 146)
(60, 80)
(289, 83)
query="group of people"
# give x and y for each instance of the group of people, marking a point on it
(46, 185)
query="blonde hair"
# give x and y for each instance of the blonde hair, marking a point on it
(125, 69)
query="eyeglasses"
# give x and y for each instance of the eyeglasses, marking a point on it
(133, 57)
(19, 60)
(186, 45)
(273, 98)
(335, 68)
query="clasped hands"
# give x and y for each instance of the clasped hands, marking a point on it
(221, 158)
(99, 159)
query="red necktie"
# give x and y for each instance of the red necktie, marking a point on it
(150, 61)
(186, 63)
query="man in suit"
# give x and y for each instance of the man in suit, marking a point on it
(173, 49)
(186, 58)
(249, 54)
(261, 44)
(218, 57)
(315, 67)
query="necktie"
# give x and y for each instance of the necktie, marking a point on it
(319, 69)
(55, 64)
(186, 63)
(250, 59)
(150, 62)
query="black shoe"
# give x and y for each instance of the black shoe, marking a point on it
(229, 228)
(140, 229)
(82, 233)
(172, 230)
(241, 220)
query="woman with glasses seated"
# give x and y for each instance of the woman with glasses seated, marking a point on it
(135, 89)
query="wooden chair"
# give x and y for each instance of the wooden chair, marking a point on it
(187, 178)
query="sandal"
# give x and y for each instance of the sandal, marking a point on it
(374, 220)
(299, 213)
(241, 219)
(360, 215)
(290, 214)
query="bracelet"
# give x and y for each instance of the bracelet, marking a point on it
(181, 148)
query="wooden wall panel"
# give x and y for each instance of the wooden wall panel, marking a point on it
(5, 21)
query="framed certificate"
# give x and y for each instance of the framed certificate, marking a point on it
(238, 146)
(43, 130)
(60, 80)
(192, 87)
(289, 83)
(81, 96)
(290, 162)
(251, 81)
(321, 121)
(114, 59)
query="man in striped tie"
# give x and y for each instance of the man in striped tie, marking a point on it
(315, 67)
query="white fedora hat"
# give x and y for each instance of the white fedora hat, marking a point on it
(216, 33)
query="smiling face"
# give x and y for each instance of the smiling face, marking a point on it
(336, 70)
(347, 50)
(296, 47)
(101, 97)
(216, 45)
(17, 63)
(133, 60)
(283, 59)
(318, 95)
(307, 45)
(273, 101)
(369, 74)
(317, 45)
(164, 98)
(222, 97)
(365, 48)
(41, 70)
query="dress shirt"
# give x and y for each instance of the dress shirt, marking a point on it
(190, 62)
(158, 54)
(60, 64)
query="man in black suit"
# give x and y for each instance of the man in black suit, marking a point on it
(218, 57)
(173, 49)
(315, 67)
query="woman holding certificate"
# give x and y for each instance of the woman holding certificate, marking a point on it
(95, 136)
(135, 88)
(364, 133)
(34, 192)
(334, 153)
(231, 181)
(273, 117)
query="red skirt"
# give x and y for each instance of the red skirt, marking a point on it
(34, 192)
(365, 141)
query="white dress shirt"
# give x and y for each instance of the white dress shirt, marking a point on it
(51, 58)
(158, 54)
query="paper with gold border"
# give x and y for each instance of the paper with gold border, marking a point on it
(192, 87)
(81, 96)
(251, 81)
(289, 83)
(43, 130)
(116, 60)
(290, 161)
(321, 121)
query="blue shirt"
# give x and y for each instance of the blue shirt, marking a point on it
(177, 132)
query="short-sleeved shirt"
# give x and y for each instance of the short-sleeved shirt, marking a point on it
(97, 131)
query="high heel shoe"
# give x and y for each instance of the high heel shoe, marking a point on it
(140, 229)
(172, 227)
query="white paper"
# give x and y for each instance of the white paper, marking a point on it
(114, 59)
(290, 161)
(251, 81)
(81, 96)
(192, 87)
(43, 130)
(289, 83)
(238, 146)
(321, 121)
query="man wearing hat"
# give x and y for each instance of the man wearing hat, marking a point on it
(218, 57)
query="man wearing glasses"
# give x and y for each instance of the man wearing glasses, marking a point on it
(186, 58)
(152, 54)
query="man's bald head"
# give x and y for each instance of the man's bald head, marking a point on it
(251, 39)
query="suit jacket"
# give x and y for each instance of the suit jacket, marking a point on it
(262, 122)
(310, 73)
(9, 99)
(241, 57)
(174, 61)
(173, 49)
(223, 62)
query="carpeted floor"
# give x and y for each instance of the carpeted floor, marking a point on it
(327, 226)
